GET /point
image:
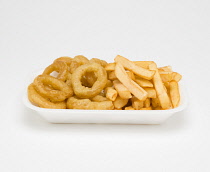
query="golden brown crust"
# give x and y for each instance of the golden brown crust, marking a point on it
(42, 102)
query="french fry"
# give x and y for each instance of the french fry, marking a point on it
(147, 103)
(166, 85)
(161, 92)
(127, 64)
(158, 108)
(123, 92)
(129, 108)
(166, 76)
(132, 86)
(119, 102)
(174, 93)
(165, 88)
(146, 108)
(111, 93)
(155, 102)
(131, 75)
(143, 82)
(99, 98)
(117, 109)
(165, 69)
(112, 75)
(143, 64)
(110, 67)
(136, 103)
(176, 76)
(151, 92)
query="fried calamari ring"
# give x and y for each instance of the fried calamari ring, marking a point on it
(101, 62)
(90, 76)
(65, 59)
(109, 83)
(40, 101)
(69, 80)
(99, 98)
(60, 67)
(78, 61)
(85, 92)
(60, 90)
(91, 79)
(74, 103)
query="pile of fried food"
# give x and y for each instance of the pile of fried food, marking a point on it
(79, 83)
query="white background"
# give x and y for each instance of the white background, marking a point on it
(34, 33)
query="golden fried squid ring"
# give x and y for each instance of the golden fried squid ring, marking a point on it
(65, 59)
(99, 98)
(69, 80)
(60, 67)
(85, 92)
(60, 90)
(78, 61)
(90, 76)
(101, 62)
(74, 103)
(42, 102)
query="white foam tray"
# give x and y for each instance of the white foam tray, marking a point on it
(106, 116)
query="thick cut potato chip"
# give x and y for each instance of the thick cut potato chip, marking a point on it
(151, 92)
(159, 87)
(132, 86)
(136, 103)
(166, 85)
(112, 75)
(131, 75)
(110, 66)
(165, 69)
(143, 82)
(147, 103)
(119, 102)
(146, 108)
(158, 108)
(174, 93)
(166, 76)
(123, 92)
(127, 64)
(129, 108)
(111, 93)
(143, 64)
(176, 76)
(155, 102)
